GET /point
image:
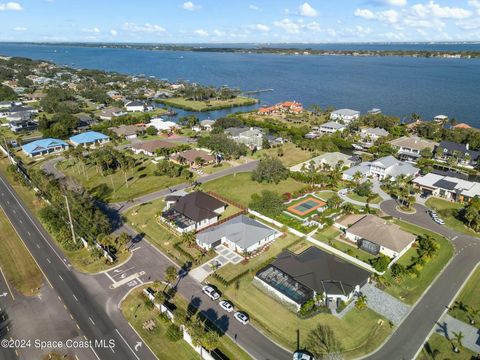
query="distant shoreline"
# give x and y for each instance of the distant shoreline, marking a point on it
(291, 51)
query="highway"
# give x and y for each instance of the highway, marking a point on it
(92, 321)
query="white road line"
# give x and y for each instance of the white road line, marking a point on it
(21, 222)
(93, 322)
(91, 348)
(61, 278)
(28, 232)
(8, 286)
(38, 246)
(112, 350)
(49, 261)
(125, 341)
(74, 297)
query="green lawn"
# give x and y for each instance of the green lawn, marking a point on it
(444, 209)
(191, 105)
(136, 312)
(360, 332)
(211, 169)
(292, 155)
(144, 219)
(240, 187)
(439, 345)
(16, 262)
(376, 200)
(410, 288)
(469, 296)
(112, 188)
(325, 195)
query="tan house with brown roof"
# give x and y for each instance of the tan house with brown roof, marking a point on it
(127, 131)
(378, 236)
(409, 147)
(150, 147)
(190, 156)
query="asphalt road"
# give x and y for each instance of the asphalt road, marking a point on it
(414, 330)
(91, 319)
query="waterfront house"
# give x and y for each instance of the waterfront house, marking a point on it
(44, 147)
(330, 127)
(374, 111)
(240, 234)
(298, 278)
(192, 212)
(252, 137)
(447, 187)
(370, 135)
(384, 168)
(461, 152)
(135, 106)
(345, 115)
(89, 139)
(162, 125)
(377, 236)
(441, 118)
(110, 113)
(207, 124)
(410, 147)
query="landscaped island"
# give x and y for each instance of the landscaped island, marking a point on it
(208, 105)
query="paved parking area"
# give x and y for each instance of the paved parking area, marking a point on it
(231, 255)
(385, 304)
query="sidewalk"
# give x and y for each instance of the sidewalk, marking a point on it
(448, 324)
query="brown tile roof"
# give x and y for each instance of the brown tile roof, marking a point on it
(191, 155)
(151, 146)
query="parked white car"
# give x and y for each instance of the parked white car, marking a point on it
(439, 221)
(210, 292)
(226, 305)
(242, 317)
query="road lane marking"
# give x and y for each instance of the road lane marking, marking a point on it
(125, 341)
(78, 327)
(71, 316)
(75, 297)
(48, 260)
(38, 246)
(8, 286)
(61, 278)
(93, 322)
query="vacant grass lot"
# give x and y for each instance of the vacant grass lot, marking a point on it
(442, 206)
(240, 187)
(360, 332)
(136, 312)
(469, 296)
(209, 105)
(16, 262)
(409, 289)
(439, 348)
(112, 188)
(291, 155)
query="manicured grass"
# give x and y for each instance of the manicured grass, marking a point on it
(229, 271)
(360, 332)
(443, 348)
(445, 208)
(292, 155)
(144, 219)
(16, 262)
(84, 262)
(136, 312)
(409, 289)
(141, 180)
(376, 200)
(469, 296)
(211, 169)
(191, 105)
(325, 195)
(240, 187)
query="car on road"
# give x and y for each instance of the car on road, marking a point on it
(226, 305)
(438, 220)
(211, 292)
(242, 317)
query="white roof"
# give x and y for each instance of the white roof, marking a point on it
(346, 112)
(160, 124)
(464, 187)
(333, 125)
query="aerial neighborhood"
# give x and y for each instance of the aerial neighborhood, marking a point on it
(282, 217)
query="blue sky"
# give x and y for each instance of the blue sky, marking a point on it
(237, 21)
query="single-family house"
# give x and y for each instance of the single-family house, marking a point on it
(330, 127)
(44, 147)
(135, 106)
(410, 147)
(111, 112)
(447, 187)
(128, 132)
(377, 236)
(85, 122)
(374, 111)
(240, 234)
(384, 168)
(192, 212)
(162, 125)
(345, 115)
(193, 157)
(329, 159)
(89, 139)
(207, 124)
(22, 125)
(150, 148)
(441, 118)
(369, 135)
(298, 278)
(461, 152)
(251, 137)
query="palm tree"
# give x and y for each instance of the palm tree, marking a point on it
(472, 313)
(171, 274)
(323, 343)
(357, 177)
(361, 302)
(189, 237)
(457, 340)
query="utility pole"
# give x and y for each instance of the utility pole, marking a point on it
(70, 219)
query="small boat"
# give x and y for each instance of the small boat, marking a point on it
(171, 112)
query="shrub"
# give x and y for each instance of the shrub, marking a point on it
(380, 263)
(174, 333)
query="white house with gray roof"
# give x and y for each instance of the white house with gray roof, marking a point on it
(330, 127)
(241, 234)
(386, 167)
(346, 115)
(252, 137)
(370, 135)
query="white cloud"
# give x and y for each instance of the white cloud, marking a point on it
(289, 26)
(253, 7)
(313, 26)
(190, 6)
(436, 10)
(95, 30)
(147, 28)
(217, 32)
(364, 13)
(307, 10)
(201, 32)
(20, 28)
(396, 2)
(13, 6)
(113, 32)
(259, 27)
